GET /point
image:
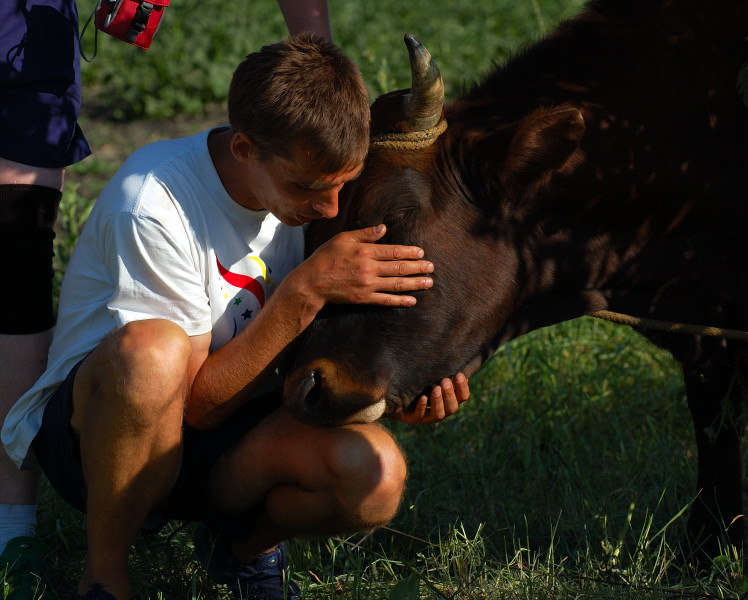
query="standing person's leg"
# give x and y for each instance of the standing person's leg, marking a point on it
(39, 137)
(22, 358)
(29, 197)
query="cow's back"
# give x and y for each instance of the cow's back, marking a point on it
(656, 84)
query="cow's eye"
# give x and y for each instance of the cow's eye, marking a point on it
(397, 217)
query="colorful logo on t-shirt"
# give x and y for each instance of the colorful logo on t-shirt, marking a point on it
(265, 269)
(246, 282)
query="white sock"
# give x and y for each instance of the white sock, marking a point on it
(16, 520)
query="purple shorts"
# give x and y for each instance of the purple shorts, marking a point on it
(58, 452)
(40, 85)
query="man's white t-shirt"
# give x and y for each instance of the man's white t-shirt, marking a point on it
(164, 240)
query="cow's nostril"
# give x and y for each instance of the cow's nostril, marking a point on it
(305, 396)
(310, 393)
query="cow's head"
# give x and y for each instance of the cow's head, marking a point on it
(436, 184)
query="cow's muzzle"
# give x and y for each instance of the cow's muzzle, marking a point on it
(320, 394)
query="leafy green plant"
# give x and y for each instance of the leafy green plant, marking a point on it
(199, 43)
(72, 215)
(189, 65)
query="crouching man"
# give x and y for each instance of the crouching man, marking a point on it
(187, 284)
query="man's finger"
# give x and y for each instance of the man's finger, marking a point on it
(437, 408)
(393, 252)
(451, 403)
(462, 388)
(404, 268)
(384, 251)
(392, 300)
(368, 234)
(404, 284)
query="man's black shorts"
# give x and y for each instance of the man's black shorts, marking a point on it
(58, 452)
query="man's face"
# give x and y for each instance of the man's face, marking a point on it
(296, 191)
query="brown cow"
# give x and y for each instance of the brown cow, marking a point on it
(605, 167)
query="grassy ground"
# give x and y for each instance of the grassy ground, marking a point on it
(565, 476)
(568, 473)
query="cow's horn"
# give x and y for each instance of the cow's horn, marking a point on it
(423, 105)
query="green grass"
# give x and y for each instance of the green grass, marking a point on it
(569, 472)
(567, 475)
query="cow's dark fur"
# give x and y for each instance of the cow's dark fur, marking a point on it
(604, 167)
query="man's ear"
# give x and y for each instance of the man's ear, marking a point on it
(243, 147)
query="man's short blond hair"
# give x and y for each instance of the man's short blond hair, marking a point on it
(302, 91)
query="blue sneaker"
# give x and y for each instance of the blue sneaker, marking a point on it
(266, 577)
(22, 572)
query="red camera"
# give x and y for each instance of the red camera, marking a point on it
(133, 21)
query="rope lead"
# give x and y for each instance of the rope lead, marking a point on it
(668, 326)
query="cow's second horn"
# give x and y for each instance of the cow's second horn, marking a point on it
(423, 105)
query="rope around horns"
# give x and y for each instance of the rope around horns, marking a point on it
(412, 140)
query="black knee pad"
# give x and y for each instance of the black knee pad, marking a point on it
(27, 218)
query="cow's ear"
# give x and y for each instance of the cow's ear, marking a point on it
(544, 143)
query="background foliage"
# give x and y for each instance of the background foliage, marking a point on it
(201, 41)
(567, 474)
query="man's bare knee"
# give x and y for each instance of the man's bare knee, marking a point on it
(371, 471)
(142, 366)
(153, 346)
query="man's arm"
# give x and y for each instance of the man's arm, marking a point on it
(350, 268)
(306, 15)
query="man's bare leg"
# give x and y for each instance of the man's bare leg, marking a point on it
(305, 480)
(128, 401)
(128, 404)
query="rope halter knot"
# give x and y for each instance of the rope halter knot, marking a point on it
(412, 140)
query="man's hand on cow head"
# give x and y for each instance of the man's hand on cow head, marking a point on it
(444, 400)
(351, 269)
